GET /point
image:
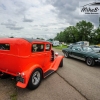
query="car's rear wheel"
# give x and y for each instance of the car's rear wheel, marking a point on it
(90, 62)
(35, 79)
(66, 54)
(61, 63)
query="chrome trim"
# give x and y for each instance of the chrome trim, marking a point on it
(80, 58)
(48, 74)
(97, 60)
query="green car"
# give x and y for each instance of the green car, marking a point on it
(84, 53)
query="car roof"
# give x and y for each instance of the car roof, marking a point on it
(78, 45)
(30, 40)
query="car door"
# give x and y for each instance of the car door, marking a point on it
(73, 52)
(47, 59)
(38, 54)
(78, 53)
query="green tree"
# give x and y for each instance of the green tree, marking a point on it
(71, 33)
(96, 37)
(84, 30)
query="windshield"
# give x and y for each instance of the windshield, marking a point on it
(87, 49)
(95, 46)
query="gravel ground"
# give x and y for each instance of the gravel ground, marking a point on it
(51, 88)
(7, 89)
(74, 81)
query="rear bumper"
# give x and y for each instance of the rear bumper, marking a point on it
(20, 79)
(22, 85)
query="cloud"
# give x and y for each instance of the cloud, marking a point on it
(3, 6)
(15, 27)
(43, 25)
(11, 25)
(68, 10)
(41, 17)
(46, 29)
(27, 20)
(34, 25)
(8, 24)
(21, 7)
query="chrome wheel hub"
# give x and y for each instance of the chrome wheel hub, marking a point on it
(89, 61)
(36, 78)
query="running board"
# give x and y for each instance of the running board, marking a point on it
(49, 72)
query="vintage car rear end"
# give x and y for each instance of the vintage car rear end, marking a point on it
(8, 56)
(11, 52)
(18, 58)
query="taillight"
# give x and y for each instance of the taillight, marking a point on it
(18, 74)
(20, 77)
(22, 74)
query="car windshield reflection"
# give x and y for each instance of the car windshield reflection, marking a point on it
(87, 49)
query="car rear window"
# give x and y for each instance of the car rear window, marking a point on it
(4, 46)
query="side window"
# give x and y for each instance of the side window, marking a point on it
(74, 48)
(37, 47)
(84, 48)
(4, 46)
(48, 47)
(78, 48)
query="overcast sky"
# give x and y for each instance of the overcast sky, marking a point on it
(40, 18)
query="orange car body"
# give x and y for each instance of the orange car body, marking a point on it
(18, 59)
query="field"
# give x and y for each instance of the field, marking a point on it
(60, 47)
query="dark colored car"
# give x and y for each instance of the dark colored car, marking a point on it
(84, 53)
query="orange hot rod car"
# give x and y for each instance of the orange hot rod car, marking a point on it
(29, 60)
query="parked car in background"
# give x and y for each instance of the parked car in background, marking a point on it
(95, 48)
(70, 44)
(84, 43)
(28, 60)
(55, 43)
(84, 53)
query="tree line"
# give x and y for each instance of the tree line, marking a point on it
(82, 31)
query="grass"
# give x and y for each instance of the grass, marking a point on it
(60, 47)
(13, 97)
